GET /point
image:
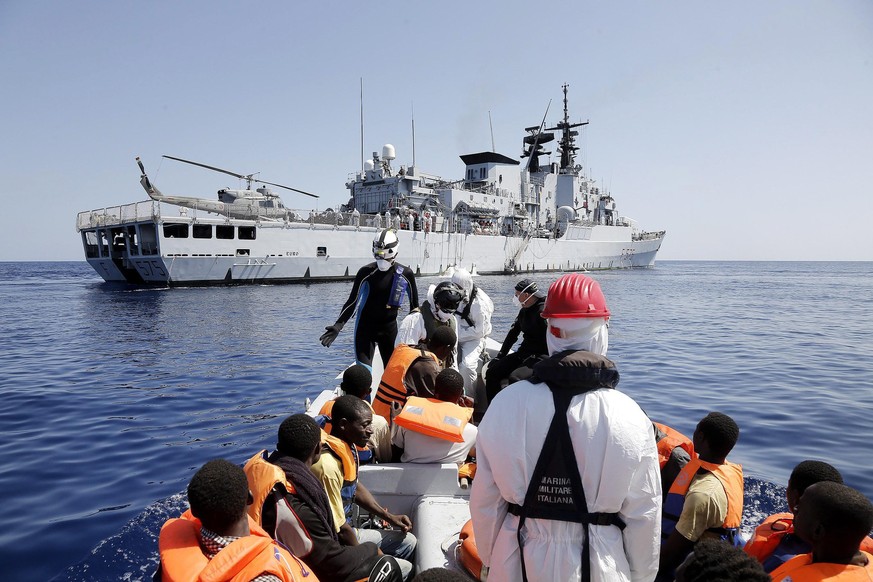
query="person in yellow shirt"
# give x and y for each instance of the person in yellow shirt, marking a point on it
(337, 469)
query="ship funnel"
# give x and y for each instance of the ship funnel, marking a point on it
(388, 152)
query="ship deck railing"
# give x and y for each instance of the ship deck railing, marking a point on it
(648, 235)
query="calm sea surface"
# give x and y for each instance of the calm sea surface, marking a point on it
(112, 398)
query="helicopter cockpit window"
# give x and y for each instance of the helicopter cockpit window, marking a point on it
(202, 231)
(247, 233)
(224, 231)
(172, 230)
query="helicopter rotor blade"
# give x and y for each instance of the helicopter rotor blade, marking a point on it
(249, 177)
(287, 188)
(234, 174)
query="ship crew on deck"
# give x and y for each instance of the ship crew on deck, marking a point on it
(376, 295)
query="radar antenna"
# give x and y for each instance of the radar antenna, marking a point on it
(567, 144)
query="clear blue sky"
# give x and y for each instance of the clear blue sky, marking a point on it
(745, 128)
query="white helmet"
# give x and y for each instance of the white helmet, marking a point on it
(385, 245)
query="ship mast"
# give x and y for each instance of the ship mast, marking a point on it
(568, 137)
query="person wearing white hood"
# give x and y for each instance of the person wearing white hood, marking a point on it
(474, 325)
(567, 484)
(376, 296)
(438, 310)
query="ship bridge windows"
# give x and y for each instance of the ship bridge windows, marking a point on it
(201, 230)
(247, 233)
(175, 230)
(224, 231)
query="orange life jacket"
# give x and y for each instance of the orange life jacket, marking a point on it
(262, 477)
(348, 458)
(432, 417)
(391, 387)
(365, 454)
(671, 438)
(802, 569)
(769, 536)
(327, 407)
(243, 560)
(469, 553)
(730, 475)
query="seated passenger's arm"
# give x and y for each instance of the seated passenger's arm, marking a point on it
(346, 535)
(366, 500)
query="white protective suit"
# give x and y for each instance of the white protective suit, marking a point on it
(471, 338)
(412, 332)
(618, 462)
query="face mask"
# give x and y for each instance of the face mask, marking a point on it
(591, 335)
(383, 265)
(443, 315)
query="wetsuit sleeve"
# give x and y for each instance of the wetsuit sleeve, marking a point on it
(511, 335)
(412, 289)
(349, 306)
(421, 377)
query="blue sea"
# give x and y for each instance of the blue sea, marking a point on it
(113, 397)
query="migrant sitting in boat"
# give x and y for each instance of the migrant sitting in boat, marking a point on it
(435, 430)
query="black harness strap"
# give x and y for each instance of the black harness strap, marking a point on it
(465, 314)
(559, 502)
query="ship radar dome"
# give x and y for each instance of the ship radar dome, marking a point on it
(368, 165)
(388, 152)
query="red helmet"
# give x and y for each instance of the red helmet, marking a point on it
(575, 295)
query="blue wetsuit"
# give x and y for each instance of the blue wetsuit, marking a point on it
(377, 295)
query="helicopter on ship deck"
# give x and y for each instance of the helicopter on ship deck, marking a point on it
(235, 203)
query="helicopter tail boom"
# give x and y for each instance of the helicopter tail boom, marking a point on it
(153, 192)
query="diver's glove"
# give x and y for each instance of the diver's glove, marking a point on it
(332, 332)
